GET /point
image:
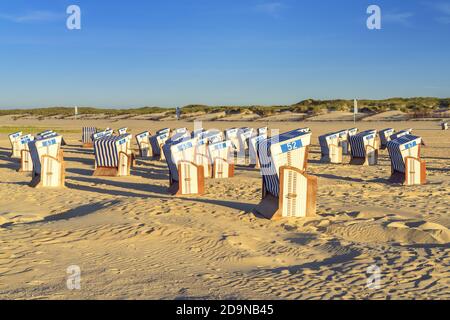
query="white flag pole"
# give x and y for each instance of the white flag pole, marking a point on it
(355, 109)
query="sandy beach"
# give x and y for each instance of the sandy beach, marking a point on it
(132, 240)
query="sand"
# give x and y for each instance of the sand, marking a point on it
(132, 240)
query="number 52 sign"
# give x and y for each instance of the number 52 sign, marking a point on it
(290, 146)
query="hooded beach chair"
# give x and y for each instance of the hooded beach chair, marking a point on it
(287, 190)
(406, 165)
(86, 136)
(185, 176)
(253, 149)
(14, 139)
(157, 142)
(364, 148)
(222, 159)
(143, 141)
(48, 161)
(197, 133)
(47, 134)
(202, 156)
(343, 141)
(232, 136)
(163, 131)
(346, 148)
(331, 147)
(26, 162)
(400, 134)
(113, 156)
(244, 135)
(385, 137)
(444, 125)
(179, 131)
(122, 131)
(102, 134)
(262, 131)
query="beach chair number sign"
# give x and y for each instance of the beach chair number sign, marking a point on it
(285, 155)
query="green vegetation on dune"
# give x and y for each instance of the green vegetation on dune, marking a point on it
(33, 130)
(414, 107)
(66, 111)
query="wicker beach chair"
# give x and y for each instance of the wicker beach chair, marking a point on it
(287, 191)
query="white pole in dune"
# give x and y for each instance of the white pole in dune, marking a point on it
(355, 110)
(76, 112)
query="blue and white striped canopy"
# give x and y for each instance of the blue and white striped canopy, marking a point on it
(359, 141)
(107, 152)
(400, 134)
(407, 145)
(87, 133)
(385, 135)
(102, 134)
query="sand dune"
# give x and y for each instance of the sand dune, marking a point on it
(134, 241)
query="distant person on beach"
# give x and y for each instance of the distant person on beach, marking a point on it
(178, 111)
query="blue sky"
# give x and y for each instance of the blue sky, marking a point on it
(220, 52)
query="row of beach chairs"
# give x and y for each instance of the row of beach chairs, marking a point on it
(287, 189)
(41, 155)
(403, 148)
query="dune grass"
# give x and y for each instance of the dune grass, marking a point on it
(414, 107)
(33, 130)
